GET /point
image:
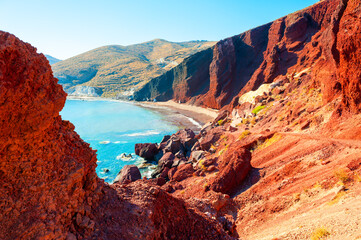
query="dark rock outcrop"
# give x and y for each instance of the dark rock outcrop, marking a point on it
(146, 150)
(129, 173)
(179, 83)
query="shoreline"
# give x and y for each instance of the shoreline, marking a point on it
(180, 114)
(198, 114)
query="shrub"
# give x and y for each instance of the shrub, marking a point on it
(244, 134)
(337, 198)
(257, 109)
(275, 138)
(342, 175)
(320, 233)
(245, 120)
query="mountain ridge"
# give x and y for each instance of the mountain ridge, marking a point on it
(115, 68)
(52, 60)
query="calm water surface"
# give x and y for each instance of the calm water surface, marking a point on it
(112, 128)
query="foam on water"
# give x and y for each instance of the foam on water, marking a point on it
(113, 128)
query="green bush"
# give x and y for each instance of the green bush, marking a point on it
(257, 109)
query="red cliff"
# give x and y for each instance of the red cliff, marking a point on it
(49, 188)
(323, 38)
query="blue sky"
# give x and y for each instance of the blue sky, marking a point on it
(66, 28)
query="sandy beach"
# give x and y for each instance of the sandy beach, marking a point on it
(174, 111)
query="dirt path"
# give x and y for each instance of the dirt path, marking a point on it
(345, 142)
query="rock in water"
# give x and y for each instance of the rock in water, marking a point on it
(146, 150)
(129, 173)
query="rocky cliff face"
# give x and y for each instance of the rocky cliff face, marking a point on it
(188, 79)
(49, 188)
(47, 172)
(321, 40)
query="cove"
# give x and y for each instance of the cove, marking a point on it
(113, 128)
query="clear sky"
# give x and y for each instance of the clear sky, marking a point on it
(65, 28)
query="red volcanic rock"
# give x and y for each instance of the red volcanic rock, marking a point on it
(234, 167)
(47, 172)
(166, 160)
(187, 138)
(347, 53)
(171, 172)
(145, 211)
(185, 134)
(210, 138)
(128, 173)
(221, 116)
(146, 150)
(49, 188)
(183, 171)
(196, 156)
(174, 145)
(319, 45)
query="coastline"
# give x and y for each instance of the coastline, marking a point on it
(180, 114)
(199, 114)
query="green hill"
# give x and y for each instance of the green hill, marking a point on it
(51, 59)
(119, 69)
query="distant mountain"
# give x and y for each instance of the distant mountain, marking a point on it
(51, 59)
(116, 69)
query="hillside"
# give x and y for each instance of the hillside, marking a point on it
(280, 161)
(116, 69)
(52, 60)
(304, 42)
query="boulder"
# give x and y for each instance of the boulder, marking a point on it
(206, 127)
(196, 147)
(174, 145)
(233, 168)
(210, 138)
(128, 173)
(165, 138)
(185, 133)
(171, 173)
(164, 173)
(184, 171)
(221, 116)
(166, 161)
(196, 156)
(161, 181)
(146, 150)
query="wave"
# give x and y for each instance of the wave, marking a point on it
(194, 122)
(125, 157)
(104, 142)
(146, 133)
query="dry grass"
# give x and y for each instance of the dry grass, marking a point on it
(342, 176)
(320, 233)
(337, 198)
(275, 138)
(244, 134)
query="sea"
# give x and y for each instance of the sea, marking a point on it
(113, 128)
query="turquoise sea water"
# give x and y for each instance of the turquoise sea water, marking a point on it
(112, 128)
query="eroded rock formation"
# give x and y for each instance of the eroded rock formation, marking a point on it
(49, 188)
(321, 40)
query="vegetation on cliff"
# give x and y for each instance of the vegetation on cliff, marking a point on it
(117, 69)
